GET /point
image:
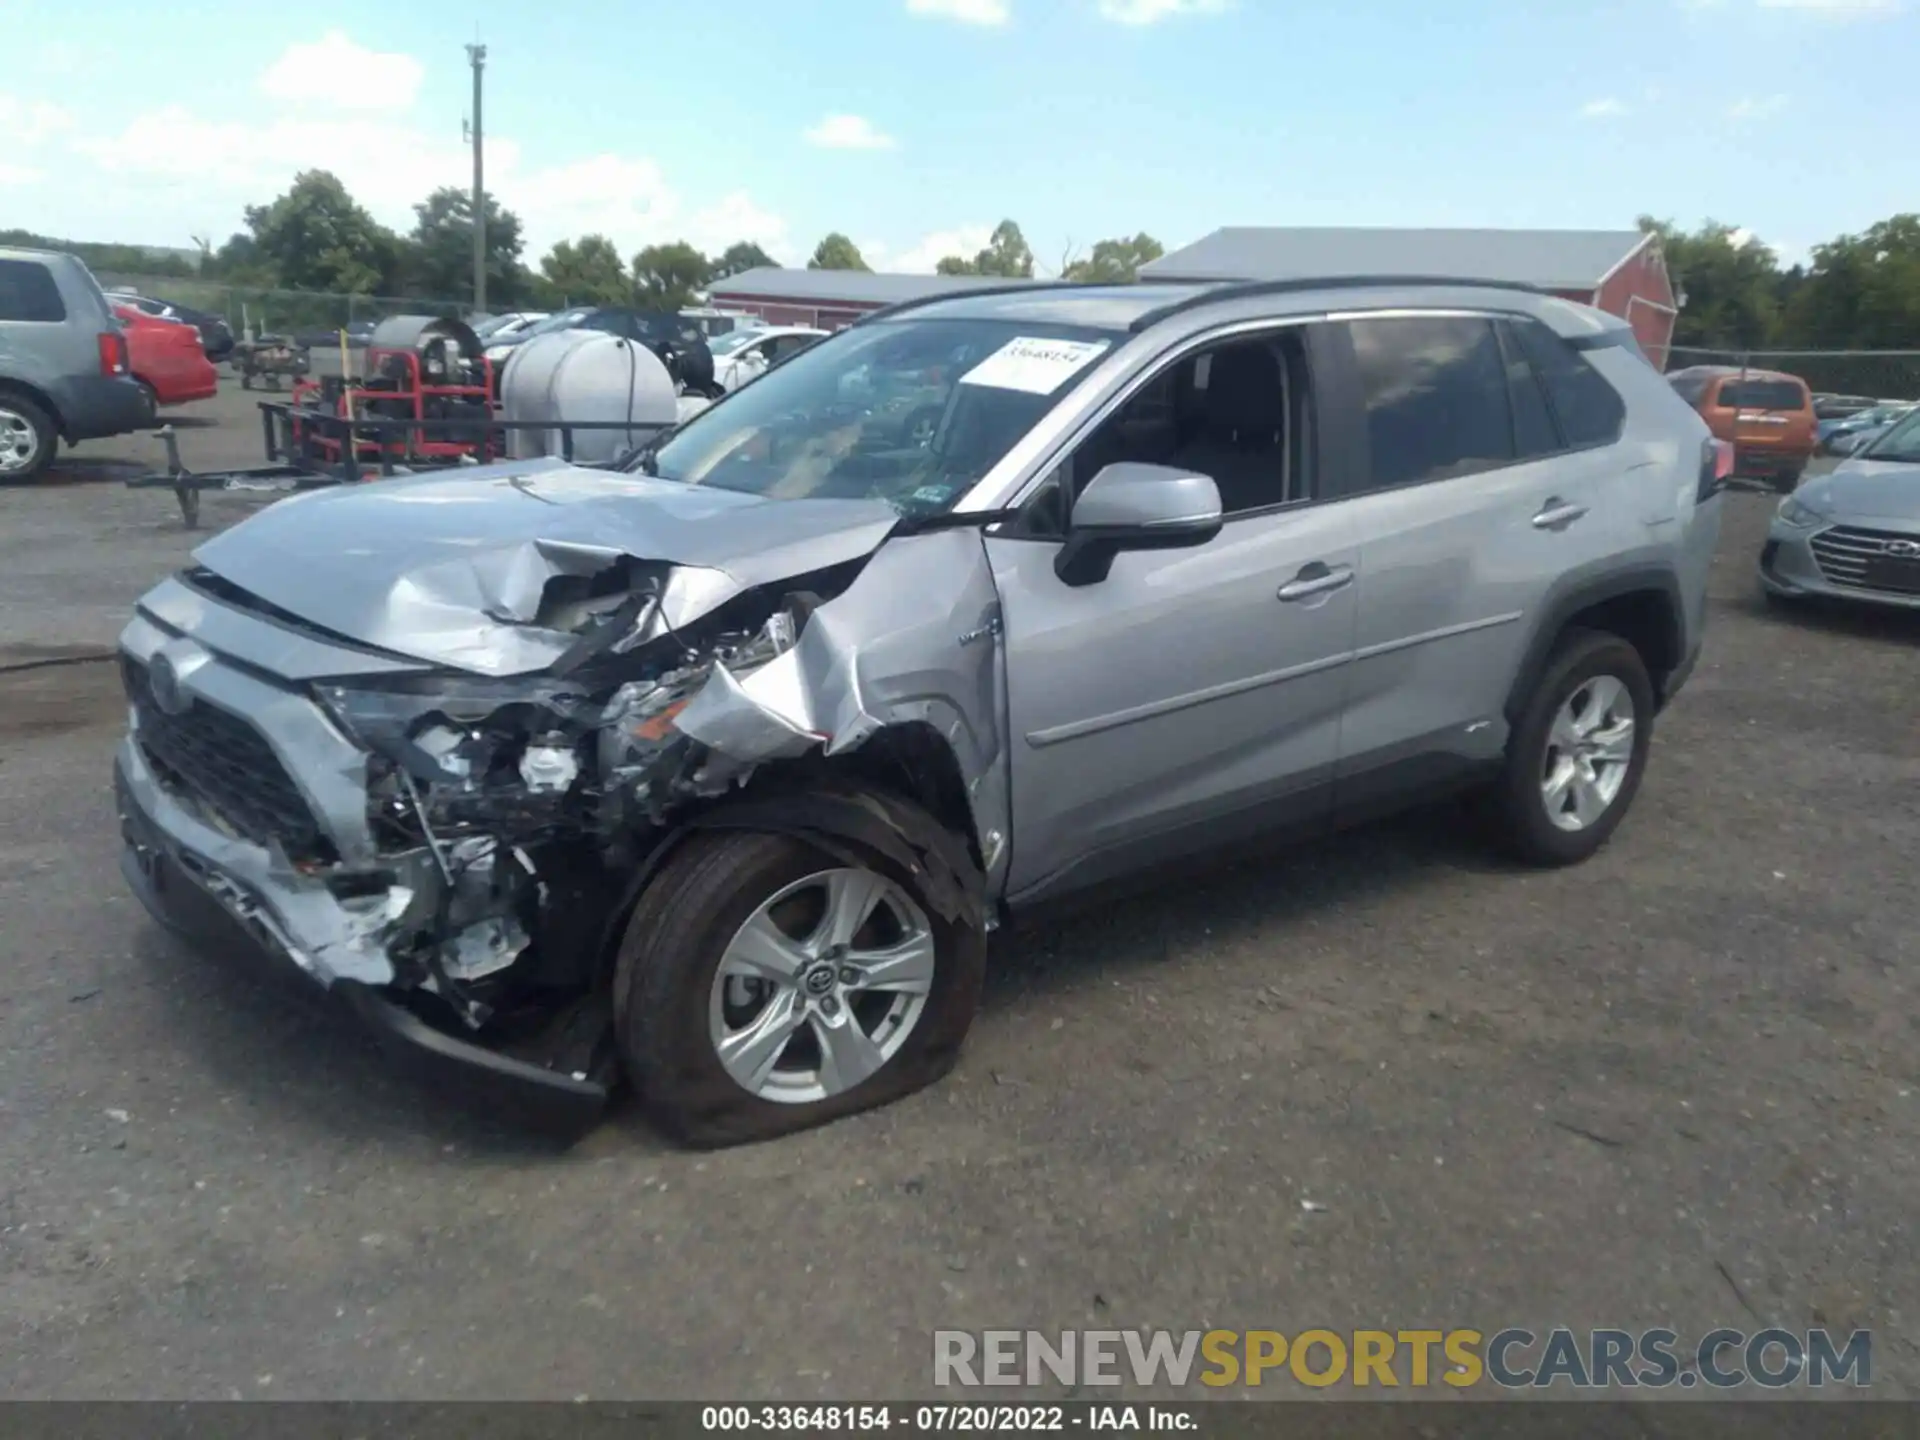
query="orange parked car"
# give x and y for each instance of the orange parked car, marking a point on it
(167, 358)
(1766, 416)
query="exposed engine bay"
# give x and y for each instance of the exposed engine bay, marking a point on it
(509, 819)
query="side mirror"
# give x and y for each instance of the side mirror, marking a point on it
(1132, 506)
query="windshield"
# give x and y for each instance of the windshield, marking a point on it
(565, 320)
(732, 341)
(913, 412)
(1901, 442)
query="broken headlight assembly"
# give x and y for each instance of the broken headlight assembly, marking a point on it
(466, 754)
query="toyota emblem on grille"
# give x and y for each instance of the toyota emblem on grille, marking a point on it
(1908, 549)
(164, 685)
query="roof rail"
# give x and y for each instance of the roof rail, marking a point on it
(1246, 289)
(1026, 288)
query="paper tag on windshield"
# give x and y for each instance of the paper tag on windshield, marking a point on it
(1039, 367)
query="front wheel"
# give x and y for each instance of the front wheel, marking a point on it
(764, 987)
(1576, 756)
(1785, 482)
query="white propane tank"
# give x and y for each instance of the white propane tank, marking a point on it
(584, 375)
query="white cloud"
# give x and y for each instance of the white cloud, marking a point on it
(1151, 12)
(849, 132)
(1605, 108)
(929, 250)
(126, 182)
(342, 75)
(1756, 107)
(30, 122)
(967, 12)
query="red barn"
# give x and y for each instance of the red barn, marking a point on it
(829, 299)
(1619, 271)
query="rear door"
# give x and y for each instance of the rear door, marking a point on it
(1469, 502)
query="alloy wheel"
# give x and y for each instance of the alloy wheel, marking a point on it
(821, 986)
(18, 441)
(1589, 753)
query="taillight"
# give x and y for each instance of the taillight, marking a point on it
(1716, 468)
(113, 353)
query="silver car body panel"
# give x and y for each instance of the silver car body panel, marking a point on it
(1866, 509)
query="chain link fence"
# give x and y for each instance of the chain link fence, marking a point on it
(282, 312)
(1873, 374)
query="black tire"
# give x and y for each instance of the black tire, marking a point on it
(44, 441)
(1785, 482)
(1522, 824)
(668, 958)
(153, 404)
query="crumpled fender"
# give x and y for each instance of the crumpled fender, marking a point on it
(834, 814)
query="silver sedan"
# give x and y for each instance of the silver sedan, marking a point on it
(1853, 534)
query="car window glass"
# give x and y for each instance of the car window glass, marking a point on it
(1235, 412)
(28, 292)
(1590, 411)
(913, 412)
(1533, 429)
(1688, 387)
(1762, 395)
(1435, 392)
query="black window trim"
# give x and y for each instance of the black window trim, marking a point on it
(1334, 397)
(1513, 353)
(1579, 345)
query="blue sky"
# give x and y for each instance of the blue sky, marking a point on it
(914, 125)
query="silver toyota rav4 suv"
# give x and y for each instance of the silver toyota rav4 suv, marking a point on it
(714, 770)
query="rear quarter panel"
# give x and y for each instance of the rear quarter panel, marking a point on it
(1672, 528)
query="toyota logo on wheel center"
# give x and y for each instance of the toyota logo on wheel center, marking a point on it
(819, 980)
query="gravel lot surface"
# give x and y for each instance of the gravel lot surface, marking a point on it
(1675, 1086)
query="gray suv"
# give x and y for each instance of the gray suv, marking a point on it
(715, 771)
(64, 371)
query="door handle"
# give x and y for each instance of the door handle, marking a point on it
(1557, 514)
(1316, 579)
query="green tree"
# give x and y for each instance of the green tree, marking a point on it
(1115, 262)
(740, 257)
(442, 258)
(1862, 291)
(1731, 282)
(317, 237)
(668, 277)
(1007, 254)
(837, 252)
(587, 271)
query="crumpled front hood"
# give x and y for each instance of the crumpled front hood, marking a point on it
(1880, 489)
(451, 568)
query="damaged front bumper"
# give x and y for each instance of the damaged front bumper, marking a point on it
(172, 859)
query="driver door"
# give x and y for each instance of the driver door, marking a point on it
(1194, 695)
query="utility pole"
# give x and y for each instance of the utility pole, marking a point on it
(477, 57)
